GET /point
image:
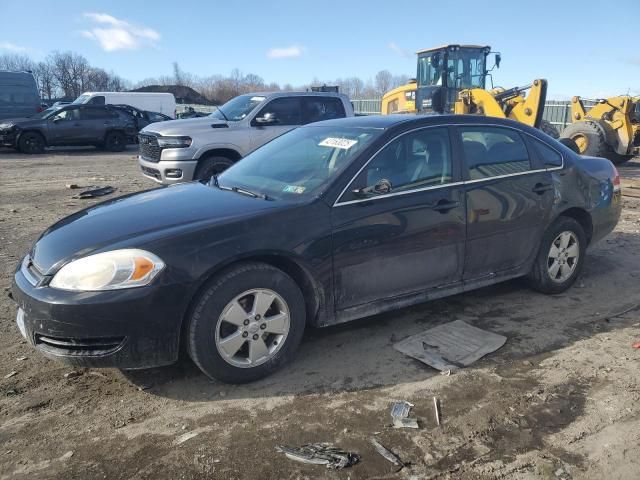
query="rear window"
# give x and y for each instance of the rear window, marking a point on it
(317, 109)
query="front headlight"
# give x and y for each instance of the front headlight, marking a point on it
(6, 126)
(109, 271)
(174, 142)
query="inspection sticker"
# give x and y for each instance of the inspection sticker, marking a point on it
(293, 189)
(343, 143)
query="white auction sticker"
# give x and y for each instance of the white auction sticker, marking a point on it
(257, 99)
(343, 143)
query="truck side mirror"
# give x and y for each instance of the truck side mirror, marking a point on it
(266, 119)
(498, 59)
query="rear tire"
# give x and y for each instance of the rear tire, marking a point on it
(549, 129)
(115, 142)
(590, 138)
(560, 257)
(210, 166)
(31, 143)
(236, 338)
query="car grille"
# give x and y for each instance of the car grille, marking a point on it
(151, 172)
(149, 148)
(78, 346)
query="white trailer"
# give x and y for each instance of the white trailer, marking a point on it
(153, 102)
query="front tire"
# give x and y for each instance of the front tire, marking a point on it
(560, 257)
(115, 142)
(210, 166)
(246, 323)
(31, 143)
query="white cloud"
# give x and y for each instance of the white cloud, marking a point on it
(112, 33)
(11, 47)
(400, 51)
(286, 52)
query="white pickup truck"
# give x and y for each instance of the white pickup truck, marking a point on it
(196, 149)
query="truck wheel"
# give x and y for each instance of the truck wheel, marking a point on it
(560, 257)
(31, 142)
(589, 136)
(549, 129)
(210, 166)
(115, 142)
(246, 323)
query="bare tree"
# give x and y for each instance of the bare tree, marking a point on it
(383, 82)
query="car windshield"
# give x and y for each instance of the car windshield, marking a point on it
(47, 113)
(300, 163)
(81, 99)
(238, 108)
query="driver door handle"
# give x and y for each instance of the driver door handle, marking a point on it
(444, 206)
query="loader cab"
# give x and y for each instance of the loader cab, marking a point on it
(444, 71)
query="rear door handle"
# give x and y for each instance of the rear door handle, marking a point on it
(444, 206)
(540, 188)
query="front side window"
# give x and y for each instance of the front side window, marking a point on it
(414, 160)
(69, 114)
(285, 111)
(493, 151)
(299, 163)
(317, 109)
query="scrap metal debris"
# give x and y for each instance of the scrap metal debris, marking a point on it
(95, 192)
(451, 346)
(437, 409)
(387, 454)
(10, 374)
(320, 454)
(400, 415)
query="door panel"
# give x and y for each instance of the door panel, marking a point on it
(288, 113)
(508, 200)
(399, 228)
(68, 129)
(397, 245)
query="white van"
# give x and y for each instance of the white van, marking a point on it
(153, 102)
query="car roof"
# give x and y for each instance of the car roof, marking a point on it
(296, 94)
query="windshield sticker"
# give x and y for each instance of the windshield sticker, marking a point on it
(293, 189)
(343, 143)
(257, 99)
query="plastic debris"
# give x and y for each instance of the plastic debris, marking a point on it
(437, 409)
(72, 374)
(636, 345)
(95, 192)
(320, 454)
(387, 454)
(400, 415)
(10, 374)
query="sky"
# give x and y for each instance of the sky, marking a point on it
(297, 41)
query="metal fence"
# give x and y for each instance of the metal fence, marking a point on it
(557, 112)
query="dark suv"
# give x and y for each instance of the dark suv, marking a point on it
(101, 126)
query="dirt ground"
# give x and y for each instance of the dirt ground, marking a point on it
(560, 400)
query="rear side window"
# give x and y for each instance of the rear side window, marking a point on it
(549, 156)
(95, 114)
(493, 151)
(98, 100)
(287, 111)
(316, 109)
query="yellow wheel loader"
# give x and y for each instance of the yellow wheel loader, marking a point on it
(400, 100)
(511, 103)
(610, 129)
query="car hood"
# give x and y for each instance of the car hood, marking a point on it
(22, 121)
(136, 219)
(188, 126)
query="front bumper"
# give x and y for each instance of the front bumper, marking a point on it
(168, 172)
(132, 328)
(8, 138)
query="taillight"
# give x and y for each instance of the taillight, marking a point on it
(616, 180)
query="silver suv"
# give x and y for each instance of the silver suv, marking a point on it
(196, 149)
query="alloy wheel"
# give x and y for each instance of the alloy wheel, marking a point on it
(563, 257)
(252, 328)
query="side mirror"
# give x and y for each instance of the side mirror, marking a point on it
(381, 187)
(266, 119)
(498, 59)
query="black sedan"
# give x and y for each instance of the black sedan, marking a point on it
(330, 222)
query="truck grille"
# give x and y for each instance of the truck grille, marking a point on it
(149, 149)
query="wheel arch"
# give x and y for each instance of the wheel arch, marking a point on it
(581, 216)
(32, 130)
(314, 296)
(229, 153)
